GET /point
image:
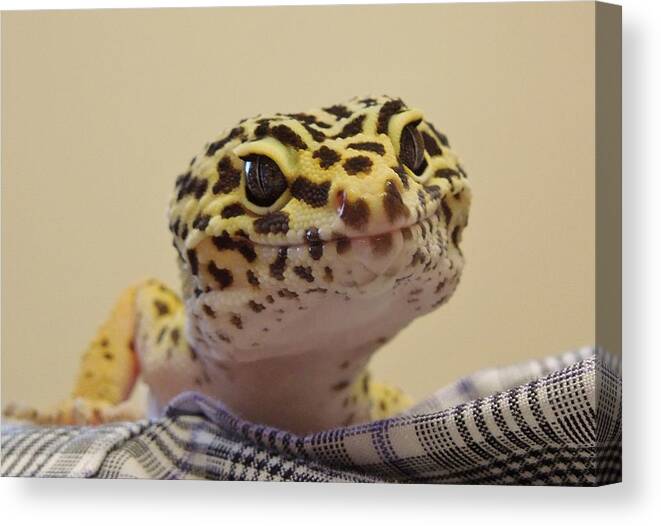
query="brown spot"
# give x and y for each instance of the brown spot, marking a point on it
(315, 195)
(193, 353)
(327, 157)
(447, 212)
(288, 137)
(316, 249)
(223, 337)
(222, 276)
(232, 210)
(286, 293)
(160, 335)
(318, 289)
(277, 268)
(389, 109)
(446, 173)
(108, 355)
(189, 185)
(352, 128)
(215, 146)
(456, 234)
(366, 384)
(440, 136)
(245, 247)
(236, 320)
(174, 336)
(341, 385)
(418, 258)
(252, 278)
(201, 222)
(274, 223)
(355, 214)
(344, 364)
(406, 233)
(423, 230)
(403, 175)
(422, 199)
(309, 119)
(256, 307)
(104, 342)
(393, 203)
(229, 177)
(262, 128)
(358, 164)
(375, 147)
(192, 261)
(161, 308)
(431, 145)
(305, 273)
(339, 111)
(328, 274)
(208, 311)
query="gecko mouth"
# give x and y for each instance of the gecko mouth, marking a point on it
(361, 260)
(427, 219)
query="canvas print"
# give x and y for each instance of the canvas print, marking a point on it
(295, 256)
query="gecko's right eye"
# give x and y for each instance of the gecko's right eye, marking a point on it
(412, 148)
(265, 182)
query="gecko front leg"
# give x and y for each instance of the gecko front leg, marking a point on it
(129, 343)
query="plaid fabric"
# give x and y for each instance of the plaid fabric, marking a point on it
(555, 421)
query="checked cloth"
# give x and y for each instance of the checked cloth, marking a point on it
(555, 421)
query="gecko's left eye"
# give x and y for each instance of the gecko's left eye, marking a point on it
(412, 149)
(265, 182)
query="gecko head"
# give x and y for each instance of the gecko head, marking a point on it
(323, 230)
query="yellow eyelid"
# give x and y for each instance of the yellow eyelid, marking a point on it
(272, 148)
(395, 126)
(276, 151)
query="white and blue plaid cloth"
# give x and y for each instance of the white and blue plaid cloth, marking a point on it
(555, 421)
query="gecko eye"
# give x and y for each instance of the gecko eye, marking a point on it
(265, 182)
(412, 149)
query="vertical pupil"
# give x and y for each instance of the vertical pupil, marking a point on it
(411, 148)
(265, 183)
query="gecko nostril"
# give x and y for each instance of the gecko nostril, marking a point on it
(340, 200)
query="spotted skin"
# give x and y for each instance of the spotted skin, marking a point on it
(355, 247)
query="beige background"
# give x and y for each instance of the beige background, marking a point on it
(102, 109)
